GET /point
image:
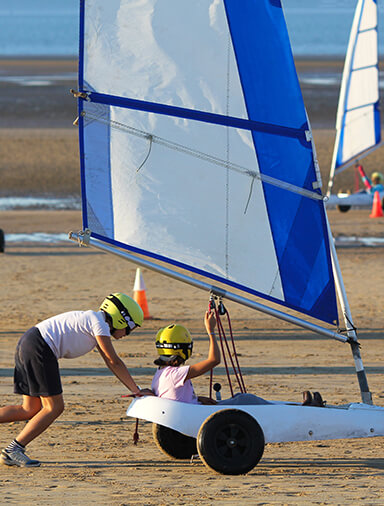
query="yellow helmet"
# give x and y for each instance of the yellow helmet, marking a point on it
(174, 340)
(377, 175)
(124, 311)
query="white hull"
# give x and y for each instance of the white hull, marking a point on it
(300, 423)
(360, 199)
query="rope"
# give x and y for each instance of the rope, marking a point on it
(225, 348)
(136, 433)
(244, 390)
(147, 156)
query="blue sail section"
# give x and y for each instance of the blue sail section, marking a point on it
(272, 95)
(96, 191)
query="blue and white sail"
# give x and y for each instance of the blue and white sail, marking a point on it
(196, 149)
(358, 128)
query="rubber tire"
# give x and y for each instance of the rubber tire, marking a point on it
(230, 441)
(343, 209)
(172, 443)
(2, 241)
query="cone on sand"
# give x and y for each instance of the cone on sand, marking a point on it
(139, 294)
(377, 210)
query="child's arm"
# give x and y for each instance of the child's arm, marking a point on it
(115, 364)
(213, 353)
(364, 177)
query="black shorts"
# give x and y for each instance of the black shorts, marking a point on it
(36, 367)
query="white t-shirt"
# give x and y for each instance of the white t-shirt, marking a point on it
(73, 334)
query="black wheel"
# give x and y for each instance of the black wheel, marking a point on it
(343, 209)
(173, 443)
(230, 442)
(2, 241)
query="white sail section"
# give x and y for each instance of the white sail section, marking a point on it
(193, 154)
(135, 56)
(358, 118)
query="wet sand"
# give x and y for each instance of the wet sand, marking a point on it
(39, 144)
(88, 456)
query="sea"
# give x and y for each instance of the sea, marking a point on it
(50, 28)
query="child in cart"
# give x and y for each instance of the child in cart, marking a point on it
(172, 379)
(37, 376)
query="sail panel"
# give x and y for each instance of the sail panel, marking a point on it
(190, 193)
(358, 117)
(293, 161)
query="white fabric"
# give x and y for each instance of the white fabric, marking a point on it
(172, 195)
(73, 334)
(360, 85)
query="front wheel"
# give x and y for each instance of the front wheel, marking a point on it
(230, 442)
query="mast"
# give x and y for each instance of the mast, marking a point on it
(343, 300)
(351, 331)
(332, 172)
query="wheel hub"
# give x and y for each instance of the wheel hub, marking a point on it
(231, 442)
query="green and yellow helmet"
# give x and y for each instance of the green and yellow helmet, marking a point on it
(174, 340)
(124, 311)
(377, 175)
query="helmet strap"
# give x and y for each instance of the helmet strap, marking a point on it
(123, 311)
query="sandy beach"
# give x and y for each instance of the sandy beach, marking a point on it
(88, 456)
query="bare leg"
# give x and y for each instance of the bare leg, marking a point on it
(25, 411)
(52, 407)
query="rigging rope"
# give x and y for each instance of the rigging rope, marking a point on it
(220, 310)
(147, 156)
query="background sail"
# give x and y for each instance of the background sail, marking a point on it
(358, 117)
(195, 193)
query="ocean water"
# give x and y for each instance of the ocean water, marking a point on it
(50, 27)
(8, 203)
(39, 27)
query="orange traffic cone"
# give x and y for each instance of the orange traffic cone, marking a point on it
(139, 294)
(377, 210)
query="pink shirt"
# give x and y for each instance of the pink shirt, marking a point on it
(169, 382)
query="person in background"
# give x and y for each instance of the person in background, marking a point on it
(376, 183)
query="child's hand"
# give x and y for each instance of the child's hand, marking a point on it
(210, 321)
(145, 391)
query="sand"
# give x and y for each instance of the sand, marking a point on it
(87, 455)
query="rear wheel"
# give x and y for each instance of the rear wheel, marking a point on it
(230, 442)
(173, 443)
(343, 209)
